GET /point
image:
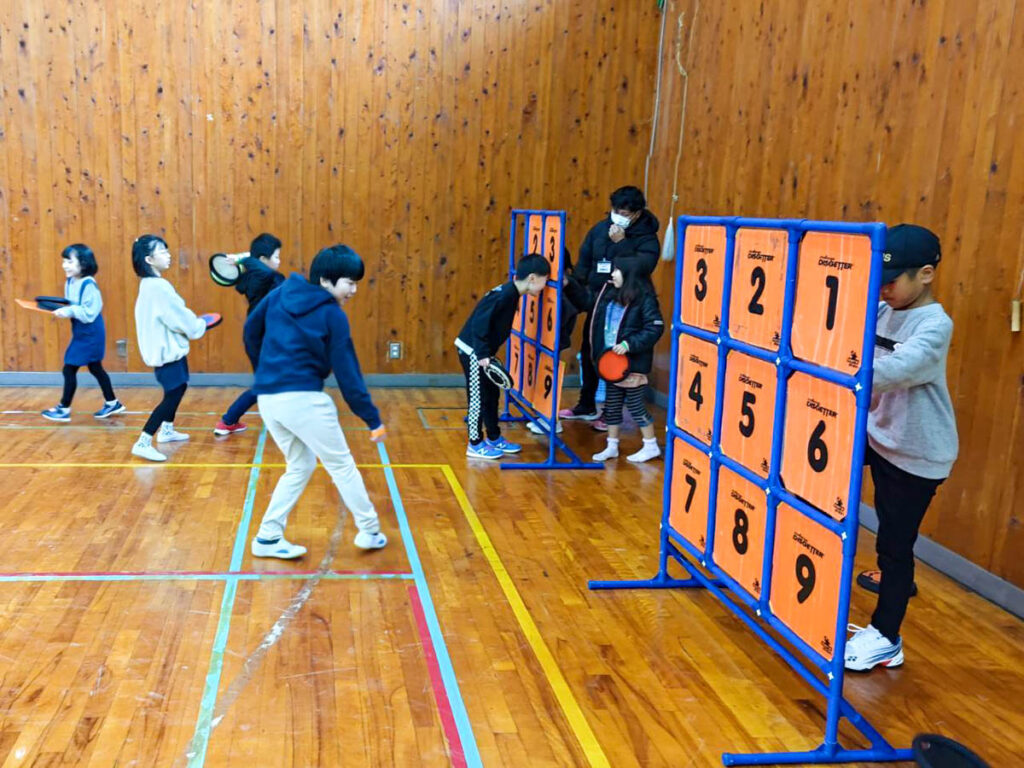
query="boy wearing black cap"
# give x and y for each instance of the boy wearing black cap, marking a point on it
(912, 437)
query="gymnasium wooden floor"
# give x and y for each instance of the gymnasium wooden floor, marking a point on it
(138, 631)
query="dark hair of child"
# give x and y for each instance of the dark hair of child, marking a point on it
(334, 263)
(86, 258)
(142, 248)
(534, 264)
(263, 246)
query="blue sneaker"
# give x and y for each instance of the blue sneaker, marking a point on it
(504, 445)
(483, 450)
(57, 413)
(110, 409)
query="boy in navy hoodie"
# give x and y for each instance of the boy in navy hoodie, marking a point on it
(295, 337)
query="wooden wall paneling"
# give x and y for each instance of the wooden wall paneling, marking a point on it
(38, 237)
(9, 45)
(127, 200)
(99, 135)
(1008, 179)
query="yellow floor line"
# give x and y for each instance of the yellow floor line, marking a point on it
(573, 713)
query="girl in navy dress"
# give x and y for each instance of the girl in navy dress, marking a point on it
(88, 334)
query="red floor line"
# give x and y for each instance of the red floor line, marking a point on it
(444, 706)
(12, 574)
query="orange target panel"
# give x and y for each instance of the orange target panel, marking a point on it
(535, 234)
(817, 446)
(748, 412)
(515, 360)
(691, 483)
(532, 311)
(740, 522)
(544, 392)
(832, 299)
(552, 238)
(806, 574)
(703, 276)
(530, 376)
(696, 386)
(517, 321)
(548, 318)
(758, 286)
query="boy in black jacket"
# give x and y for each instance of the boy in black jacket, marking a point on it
(481, 337)
(628, 235)
(259, 277)
(295, 337)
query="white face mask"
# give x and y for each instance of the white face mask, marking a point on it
(619, 220)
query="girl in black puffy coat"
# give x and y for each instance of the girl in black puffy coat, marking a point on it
(624, 318)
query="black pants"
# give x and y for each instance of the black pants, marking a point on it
(482, 397)
(901, 499)
(588, 373)
(166, 410)
(71, 382)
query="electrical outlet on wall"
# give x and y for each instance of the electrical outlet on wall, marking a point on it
(122, 347)
(394, 350)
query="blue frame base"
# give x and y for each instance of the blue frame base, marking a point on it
(821, 755)
(879, 752)
(556, 444)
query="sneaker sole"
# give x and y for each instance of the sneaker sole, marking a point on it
(122, 409)
(56, 418)
(175, 440)
(643, 461)
(483, 458)
(588, 417)
(148, 458)
(223, 432)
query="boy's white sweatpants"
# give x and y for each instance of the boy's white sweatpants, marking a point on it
(305, 427)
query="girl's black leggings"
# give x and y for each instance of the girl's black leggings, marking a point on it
(71, 382)
(166, 410)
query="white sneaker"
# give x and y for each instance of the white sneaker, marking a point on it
(868, 648)
(646, 453)
(611, 452)
(282, 549)
(366, 540)
(147, 452)
(541, 427)
(166, 434)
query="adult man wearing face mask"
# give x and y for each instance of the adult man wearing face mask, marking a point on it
(628, 234)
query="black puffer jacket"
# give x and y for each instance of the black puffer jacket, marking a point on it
(640, 243)
(641, 327)
(256, 281)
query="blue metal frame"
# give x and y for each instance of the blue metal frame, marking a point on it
(520, 217)
(700, 565)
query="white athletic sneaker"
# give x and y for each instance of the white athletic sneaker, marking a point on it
(366, 540)
(868, 648)
(144, 451)
(541, 427)
(646, 453)
(166, 434)
(610, 452)
(282, 549)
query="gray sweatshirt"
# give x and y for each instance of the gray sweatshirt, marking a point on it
(911, 421)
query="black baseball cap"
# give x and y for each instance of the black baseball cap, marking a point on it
(908, 246)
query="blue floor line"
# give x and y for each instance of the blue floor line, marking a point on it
(204, 723)
(444, 661)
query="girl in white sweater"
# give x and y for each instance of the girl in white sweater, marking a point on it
(164, 326)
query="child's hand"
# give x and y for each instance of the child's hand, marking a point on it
(484, 362)
(620, 348)
(62, 312)
(616, 233)
(377, 435)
